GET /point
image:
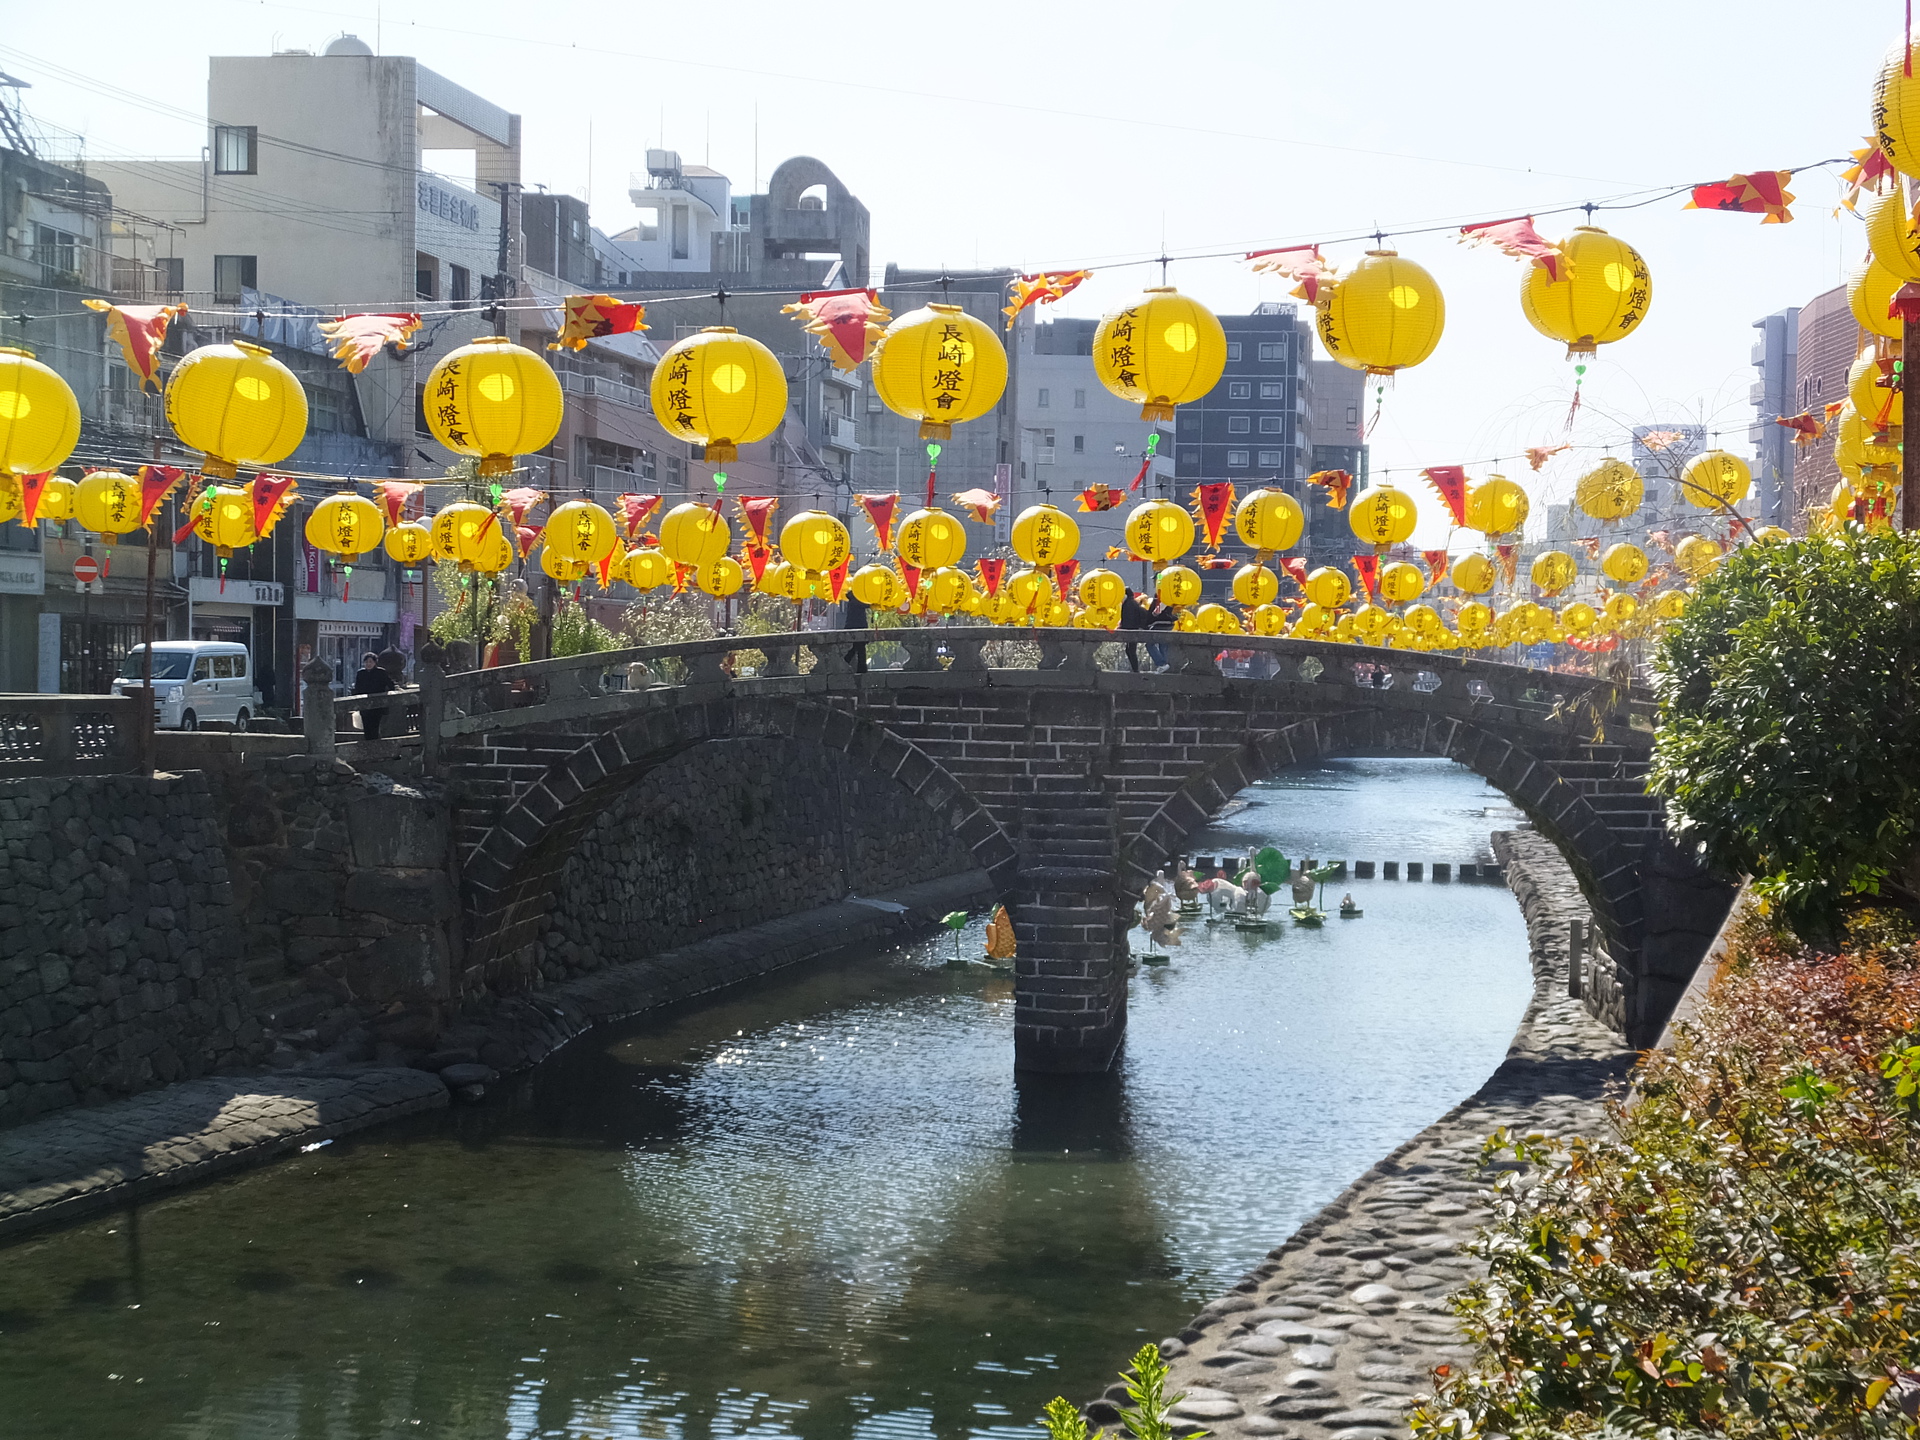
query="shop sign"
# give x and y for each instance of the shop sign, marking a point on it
(207, 590)
(22, 574)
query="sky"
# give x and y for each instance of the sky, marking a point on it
(1052, 135)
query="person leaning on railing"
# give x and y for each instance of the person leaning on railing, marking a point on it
(372, 679)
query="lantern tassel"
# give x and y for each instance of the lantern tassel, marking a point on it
(719, 490)
(1146, 460)
(933, 464)
(1379, 402)
(346, 587)
(1579, 379)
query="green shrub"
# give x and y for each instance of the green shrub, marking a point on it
(1787, 740)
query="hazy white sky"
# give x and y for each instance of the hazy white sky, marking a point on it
(1039, 134)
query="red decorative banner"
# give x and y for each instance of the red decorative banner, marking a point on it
(849, 323)
(1509, 556)
(1805, 428)
(1538, 455)
(1367, 567)
(681, 574)
(589, 317)
(757, 560)
(756, 514)
(1438, 563)
(1870, 168)
(526, 537)
(911, 574)
(635, 511)
(402, 498)
(880, 510)
(1451, 482)
(32, 487)
(1295, 566)
(196, 502)
(358, 338)
(991, 574)
(270, 499)
(1212, 504)
(983, 505)
(1337, 483)
(519, 500)
(140, 331)
(605, 567)
(156, 483)
(1042, 289)
(1100, 496)
(1301, 262)
(1063, 576)
(1216, 562)
(1519, 239)
(1764, 192)
(837, 580)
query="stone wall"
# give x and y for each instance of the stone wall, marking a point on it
(120, 954)
(733, 833)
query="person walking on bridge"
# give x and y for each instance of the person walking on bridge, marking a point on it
(1139, 613)
(372, 679)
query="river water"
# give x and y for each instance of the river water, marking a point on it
(821, 1206)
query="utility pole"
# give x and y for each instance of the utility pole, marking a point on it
(503, 284)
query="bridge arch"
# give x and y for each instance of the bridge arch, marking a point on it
(511, 875)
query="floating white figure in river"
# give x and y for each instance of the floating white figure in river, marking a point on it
(1157, 916)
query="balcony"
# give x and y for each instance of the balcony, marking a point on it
(600, 387)
(842, 433)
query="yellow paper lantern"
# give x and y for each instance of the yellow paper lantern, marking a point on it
(1342, 630)
(1185, 623)
(1612, 490)
(931, 539)
(1624, 564)
(1267, 620)
(1382, 515)
(460, 530)
(1045, 535)
(1771, 535)
(1578, 617)
(1163, 350)
(945, 590)
(409, 543)
(1102, 590)
(1496, 506)
(694, 534)
(1473, 619)
(1401, 582)
(1217, 620)
(1310, 623)
(1003, 609)
(647, 568)
(1896, 110)
(1891, 236)
(1159, 530)
(39, 418)
(1856, 443)
(1714, 479)
(222, 516)
(57, 496)
(720, 389)
(581, 530)
(1696, 555)
(721, 578)
(1870, 291)
(1328, 588)
(1255, 585)
(1370, 622)
(492, 400)
(1269, 520)
(346, 525)
(773, 578)
(1101, 617)
(816, 541)
(1424, 620)
(1878, 404)
(1670, 604)
(1177, 586)
(878, 586)
(1602, 294)
(108, 503)
(1029, 589)
(237, 405)
(1383, 315)
(940, 366)
(1472, 574)
(1554, 570)
(561, 566)
(1621, 608)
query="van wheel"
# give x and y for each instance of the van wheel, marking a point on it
(189, 721)
(240, 721)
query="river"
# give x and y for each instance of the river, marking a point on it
(818, 1206)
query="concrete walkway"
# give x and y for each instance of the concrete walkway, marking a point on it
(1338, 1332)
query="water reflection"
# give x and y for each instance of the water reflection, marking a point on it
(823, 1207)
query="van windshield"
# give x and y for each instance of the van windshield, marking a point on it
(167, 664)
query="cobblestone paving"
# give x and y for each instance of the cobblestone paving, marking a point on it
(1337, 1333)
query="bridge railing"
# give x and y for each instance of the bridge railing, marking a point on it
(69, 734)
(840, 659)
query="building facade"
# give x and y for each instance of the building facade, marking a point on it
(1828, 340)
(1775, 392)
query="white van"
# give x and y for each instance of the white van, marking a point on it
(195, 682)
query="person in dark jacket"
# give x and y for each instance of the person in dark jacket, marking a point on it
(1139, 613)
(372, 679)
(853, 616)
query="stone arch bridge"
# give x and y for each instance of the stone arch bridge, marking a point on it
(1069, 783)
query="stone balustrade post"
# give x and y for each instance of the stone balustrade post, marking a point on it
(58, 740)
(316, 707)
(429, 668)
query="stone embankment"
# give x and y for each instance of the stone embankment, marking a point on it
(1338, 1332)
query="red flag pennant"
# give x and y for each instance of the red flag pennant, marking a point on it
(1451, 482)
(1519, 239)
(1042, 289)
(681, 574)
(1063, 576)
(992, 572)
(1100, 496)
(1805, 428)
(196, 502)
(981, 504)
(526, 537)
(880, 510)
(32, 487)
(1591, 544)
(589, 317)
(1296, 566)
(358, 338)
(757, 559)
(402, 499)
(837, 580)
(1337, 483)
(1438, 562)
(519, 500)
(1299, 262)
(1764, 192)
(156, 483)
(635, 511)
(1869, 171)
(1212, 503)
(1216, 562)
(911, 574)
(756, 515)
(270, 499)
(1509, 557)
(605, 566)
(1367, 567)
(1538, 455)
(848, 323)
(140, 331)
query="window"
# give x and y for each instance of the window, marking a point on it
(203, 668)
(1353, 414)
(234, 273)
(426, 276)
(650, 222)
(1236, 459)
(1270, 457)
(1238, 425)
(1272, 390)
(1189, 420)
(1239, 389)
(223, 667)
(874, 407)
(234, 149)
(578, 230)
(1274, 350)
(1046, 398)
(1079, 399)
(172, 273)
(1233, 351)
(1272, 424)
(682, 247)
(460, 282)
(1079, 444)
(55, 251)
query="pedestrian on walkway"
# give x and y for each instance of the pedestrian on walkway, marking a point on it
(372, 679)
(1137, 612)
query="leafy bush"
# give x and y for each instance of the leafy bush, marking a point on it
(577, 633)
(1147, 1418)
(1787, 741)
(1742, 1257)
